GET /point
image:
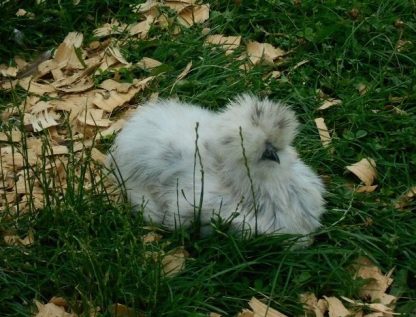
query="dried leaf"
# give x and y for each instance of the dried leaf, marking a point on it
(66, 55)
(31, 86)
(120, 310)
(94, 117)
(148, 63)
(362, 89)
(229, 43)
(262, 310)
(114, 27)
(12, 136)
(51, 310)
(323, 132)
(336, 308)
(266, 52)
(151, 237)
(185, 72)
(115, 52)
(366, 189)
(8, 71)
(365, 170)
(378, 283)
(194, 14)
(405, 199)
(16, 240)
(141, 29)
(174, 262)
(328, 103)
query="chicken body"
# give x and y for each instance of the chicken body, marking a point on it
(251, 173)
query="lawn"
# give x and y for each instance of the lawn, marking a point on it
(88, 248)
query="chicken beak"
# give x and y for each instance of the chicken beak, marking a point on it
(270, 154)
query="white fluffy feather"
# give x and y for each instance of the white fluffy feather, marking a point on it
(155, 157)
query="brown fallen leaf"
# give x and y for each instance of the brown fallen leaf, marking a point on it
(148, 63)
(362, 88)
(66, 53)
(8, 71)
(266, 52)
(51, 310)
(16, 240)
(365, 170)
(374, 307)
(260, 309)
(120, 310)
(114, 27)
(366, 189)
(34, 87)
(12, 136)
(405, 199)
(151, 237)
(229, 43)
(323, 132)
(194, 14)
(378, 283)
(141, 29)
(328, 103)
(185, 72)
(174, 261)
(336, 308)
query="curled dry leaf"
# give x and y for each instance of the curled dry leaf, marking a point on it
(378, 283)
(51, 310)
(336, 308)
(328, 103)
(194, 14)
(323, 132)
(365, 170)
(185, 72)
(148, 63)
(405, 199)
(259, 309)
(366, 189)
(266, 52)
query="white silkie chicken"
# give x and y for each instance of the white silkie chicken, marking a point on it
(251, 173)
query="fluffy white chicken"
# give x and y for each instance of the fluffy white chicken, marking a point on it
(251, 173)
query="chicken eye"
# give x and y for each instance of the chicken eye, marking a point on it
(270, 153)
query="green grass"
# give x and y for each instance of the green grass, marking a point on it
(89, 250)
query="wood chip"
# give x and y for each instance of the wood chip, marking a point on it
(323, 132)
(365, 170)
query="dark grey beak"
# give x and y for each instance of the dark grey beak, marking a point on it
(270, 153)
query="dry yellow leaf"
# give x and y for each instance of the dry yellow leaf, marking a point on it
(366, 189)
(51, 310)
(65, 53)
(141, 29)
(365, 170)
(8, 71)
(185, 72)
(328, 103)
(151, 237)
(214, 315)
(148, 63)
(41, 120)
(120, 310)
(98, 156)
(378, 283)
(266, 52)
(34, 87)
(260, 309)
(111, 84)
(174, 261)
(194, 14)
(12, 136)
(114, 27)
(336, 308)
(94, 117)
(115, 52)
(229, 43)
(16, 240)
(323, 132)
